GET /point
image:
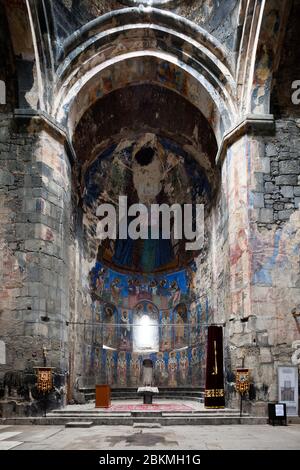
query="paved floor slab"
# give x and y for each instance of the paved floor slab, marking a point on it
(8, 435)
(250, 437)
(7, 445)
(36, 434)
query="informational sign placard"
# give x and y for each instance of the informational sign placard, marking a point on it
(288, 388)
(279, 410)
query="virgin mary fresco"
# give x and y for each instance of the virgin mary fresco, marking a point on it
(146, 171)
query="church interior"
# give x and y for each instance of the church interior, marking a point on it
(170, 102)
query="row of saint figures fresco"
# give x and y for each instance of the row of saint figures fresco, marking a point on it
(126, 291)
(172, 369)
(121, 302)
(115, 327)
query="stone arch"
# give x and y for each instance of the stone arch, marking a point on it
(263, 26)
(153, 3)
(116, 44)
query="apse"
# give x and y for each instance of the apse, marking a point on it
(153, 146)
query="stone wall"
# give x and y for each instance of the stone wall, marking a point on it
(249, 275)
(277, 192)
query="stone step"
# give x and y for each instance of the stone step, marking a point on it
(156, 397)
(134, 396)
(131, 392)
(170, 392)
(147, 425)
(160, 394)
(97, 411)
(79, 424)
(171, 389)
(152, 414)
(115, 394)
(86, 415)
(130, 420)
(201, 415)
(144, 414)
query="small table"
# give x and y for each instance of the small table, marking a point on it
(147, 393)
(102, 396)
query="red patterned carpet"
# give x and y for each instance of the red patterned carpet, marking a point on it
(153, 407)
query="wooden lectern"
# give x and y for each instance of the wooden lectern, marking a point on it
(102, 396)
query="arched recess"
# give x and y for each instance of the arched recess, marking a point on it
(259, 55)
(128, 113)
(146, 67)
(269, 45)
(144, 45)
(19, 58)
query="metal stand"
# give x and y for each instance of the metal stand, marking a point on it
(241, 405)
(45, 405)
(148, 398)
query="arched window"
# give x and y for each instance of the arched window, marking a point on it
(145, 328)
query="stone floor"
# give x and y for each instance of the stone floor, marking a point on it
(254, 437)
(128, 405)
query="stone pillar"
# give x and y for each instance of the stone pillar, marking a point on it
(35, 208)
(263, 241)
(235, 191)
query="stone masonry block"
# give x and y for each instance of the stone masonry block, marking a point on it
(258, 200)
(289, 167)
(259, 179)
(269, 187)
(287, 191)
(271, 150)
(285, 214)
(297, 191)
(266, 216)
(266, 166)
(265, 355)
(6, 178)
(289, 180)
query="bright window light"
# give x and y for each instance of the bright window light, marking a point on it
(145, 334)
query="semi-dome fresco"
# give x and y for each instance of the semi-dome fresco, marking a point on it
(149, 170)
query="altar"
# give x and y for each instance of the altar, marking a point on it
(147, 393)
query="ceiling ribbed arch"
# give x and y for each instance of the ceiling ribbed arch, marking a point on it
(117, 44)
